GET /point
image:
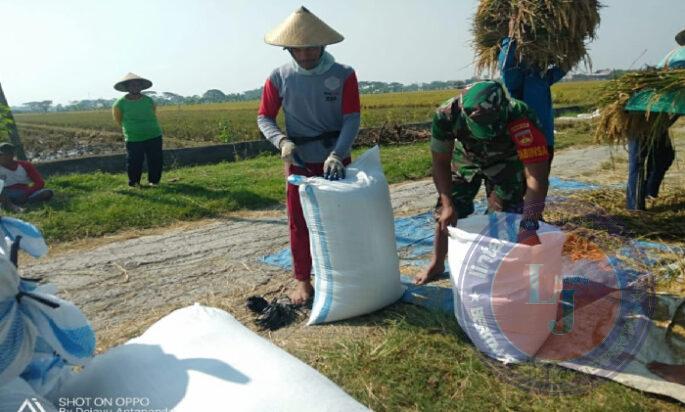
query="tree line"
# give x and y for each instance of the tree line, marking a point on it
(217, 96)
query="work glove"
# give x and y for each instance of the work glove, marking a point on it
(287, 150)
(333, 168)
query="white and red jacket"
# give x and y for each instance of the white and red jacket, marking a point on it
(315, 103)
(24, 176)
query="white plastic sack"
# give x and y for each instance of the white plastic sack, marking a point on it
(18, 396)
(31, 242)
(17, 334)
(40, 334)
(352, 240)
(505, 294)
(202, 359)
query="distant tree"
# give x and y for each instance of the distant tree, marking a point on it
(254, 94)
(32, 106)
(45, 105)
(9, 127)
(39, 106)
(214, 96)
(173, 98)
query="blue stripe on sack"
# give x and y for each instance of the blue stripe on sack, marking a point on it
(78, 342)
(492, 226)
(25, 228)
(512, 231)
(12, 342)
(40, 367)
(325, 270)
(4, 229)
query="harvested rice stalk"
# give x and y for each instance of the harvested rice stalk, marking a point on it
(548, 32)
(616, 125)
(578, 247)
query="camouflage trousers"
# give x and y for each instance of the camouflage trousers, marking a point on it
(504, 187)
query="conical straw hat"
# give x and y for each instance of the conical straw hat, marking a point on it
(680, 38)
(121, 84)
(303, 29)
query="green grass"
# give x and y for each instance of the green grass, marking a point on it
(90, 205)
(573, 134)
(413, 359)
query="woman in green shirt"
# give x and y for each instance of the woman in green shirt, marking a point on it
(136, 114)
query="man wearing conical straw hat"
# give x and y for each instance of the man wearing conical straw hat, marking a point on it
(136, 114)
(320, 99)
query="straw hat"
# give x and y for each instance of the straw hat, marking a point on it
(680, 38)
(123, 87)
(303, 29)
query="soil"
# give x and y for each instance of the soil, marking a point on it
(45, 143)
(125, 282)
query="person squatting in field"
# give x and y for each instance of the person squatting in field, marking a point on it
(644, 182)
(22, 182)
(320, 99)
(484, 135)
(136, 114)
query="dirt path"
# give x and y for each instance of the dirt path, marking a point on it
(127, 282)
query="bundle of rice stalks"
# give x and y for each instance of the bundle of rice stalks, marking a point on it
(578, 247)
(616, 125)
(547, 32)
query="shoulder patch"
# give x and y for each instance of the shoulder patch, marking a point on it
(332, 83)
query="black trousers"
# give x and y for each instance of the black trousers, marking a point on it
(136, 152)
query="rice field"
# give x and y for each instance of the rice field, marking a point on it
(236, 121)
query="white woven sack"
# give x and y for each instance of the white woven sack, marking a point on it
(352, 240)
(19, 396)
(493, 284)
(202, 359)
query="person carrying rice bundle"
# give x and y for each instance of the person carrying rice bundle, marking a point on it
(548, 33)
(534, 44)
(532, 85)
(639, 108)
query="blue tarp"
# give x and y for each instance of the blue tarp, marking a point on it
(414, 234)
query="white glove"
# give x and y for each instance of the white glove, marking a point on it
(333, 168)
(287, 150)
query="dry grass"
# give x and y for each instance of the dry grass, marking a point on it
(547, 32)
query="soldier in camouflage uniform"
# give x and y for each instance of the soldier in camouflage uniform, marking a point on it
(484, 135)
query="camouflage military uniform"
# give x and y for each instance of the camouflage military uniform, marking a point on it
(496, 160)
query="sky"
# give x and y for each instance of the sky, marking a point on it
(77, 49)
